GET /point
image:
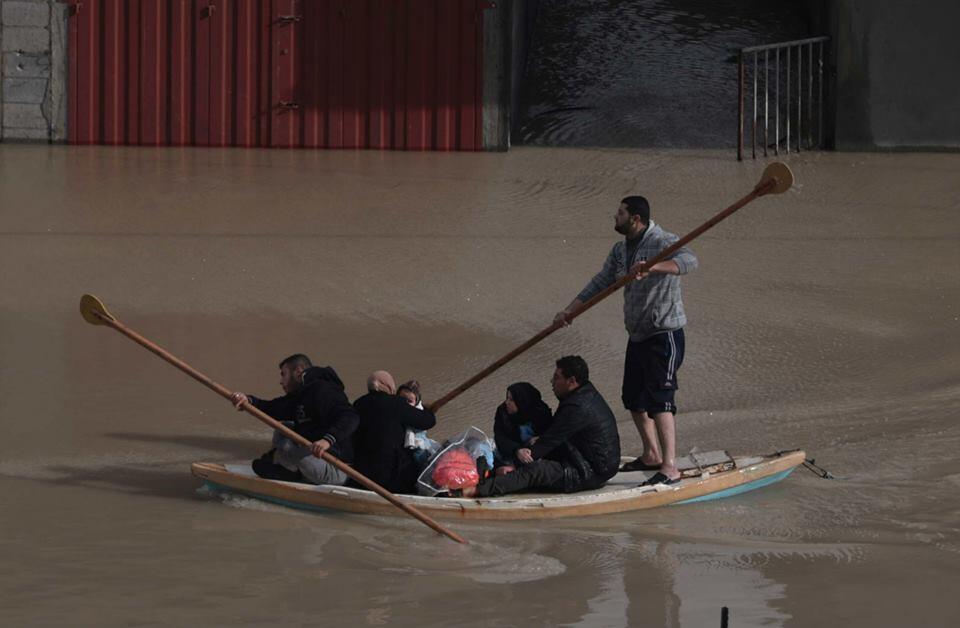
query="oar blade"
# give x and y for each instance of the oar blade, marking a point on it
(93, 310)
(780, 173)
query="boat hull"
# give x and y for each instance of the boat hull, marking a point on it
(621, 494)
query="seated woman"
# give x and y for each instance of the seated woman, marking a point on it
(519, 420)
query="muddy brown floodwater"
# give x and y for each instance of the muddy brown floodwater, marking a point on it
(827, 318)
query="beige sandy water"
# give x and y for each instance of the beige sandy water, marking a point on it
(827, 319)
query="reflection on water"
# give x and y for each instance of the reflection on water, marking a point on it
(706, 579)
(609, 607)
(643, 73)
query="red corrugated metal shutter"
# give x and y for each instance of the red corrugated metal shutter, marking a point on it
(393, 74)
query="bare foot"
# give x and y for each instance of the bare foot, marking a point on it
(468, 491)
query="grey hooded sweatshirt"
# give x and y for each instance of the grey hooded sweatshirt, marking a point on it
(653, 305)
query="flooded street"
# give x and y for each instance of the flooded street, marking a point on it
(826, 319)
(645, 72)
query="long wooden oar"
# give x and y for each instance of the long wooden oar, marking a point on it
(94, 312)
(776, 179)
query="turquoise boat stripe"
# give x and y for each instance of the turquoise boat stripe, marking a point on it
(273, 500)
(736, 490)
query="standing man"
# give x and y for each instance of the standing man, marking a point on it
(654, 317)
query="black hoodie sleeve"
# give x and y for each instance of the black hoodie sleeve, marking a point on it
(338, 420)
(282, 408)
(412, 417)
(566, 423)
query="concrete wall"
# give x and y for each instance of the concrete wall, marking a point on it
(897, 74)
(33, 98)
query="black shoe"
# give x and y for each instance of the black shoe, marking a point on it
(660, 478)
(268, 457)
(271, 471)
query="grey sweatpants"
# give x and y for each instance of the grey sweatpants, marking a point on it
(298, 458)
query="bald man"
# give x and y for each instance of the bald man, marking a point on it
(379, 451)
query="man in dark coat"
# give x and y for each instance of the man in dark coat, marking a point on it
(583, 428)
(316, 407)
(379, 442)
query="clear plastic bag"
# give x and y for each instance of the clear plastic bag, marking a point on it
(421, 447)
(418, 439)
(455, 465)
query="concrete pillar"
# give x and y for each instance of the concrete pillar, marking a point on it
(897, 67)
(33, 70)
(497, 34)
(507, 28)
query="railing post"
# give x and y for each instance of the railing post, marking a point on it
(766, 100)
(776, 150)
(799, 96)
(753, 135)
(794, 127)
(740, 81)
(820, 98)
(809, 95)
(788, 100)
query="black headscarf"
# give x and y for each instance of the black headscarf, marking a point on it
(530, 406)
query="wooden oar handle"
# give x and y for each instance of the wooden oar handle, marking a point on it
(277, 425)
(764, 187)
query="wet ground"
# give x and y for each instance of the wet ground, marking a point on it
(827, 318)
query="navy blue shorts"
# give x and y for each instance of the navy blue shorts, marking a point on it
(650, 373)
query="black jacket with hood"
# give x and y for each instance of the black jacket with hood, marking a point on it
(318, 409)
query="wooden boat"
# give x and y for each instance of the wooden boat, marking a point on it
(706, 476)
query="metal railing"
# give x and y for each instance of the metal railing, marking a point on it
(794, 67)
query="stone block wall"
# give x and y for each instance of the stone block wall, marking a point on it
(33, 70)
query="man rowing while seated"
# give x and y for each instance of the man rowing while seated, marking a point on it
(316, 407)
(583, 431)
(385, 417)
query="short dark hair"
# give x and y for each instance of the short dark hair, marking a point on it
(574, 366)
(638, 206)
(295, 360)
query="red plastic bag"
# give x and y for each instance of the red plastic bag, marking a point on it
(455, 466)
(455, 469)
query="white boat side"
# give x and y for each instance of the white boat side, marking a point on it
(621, 494)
